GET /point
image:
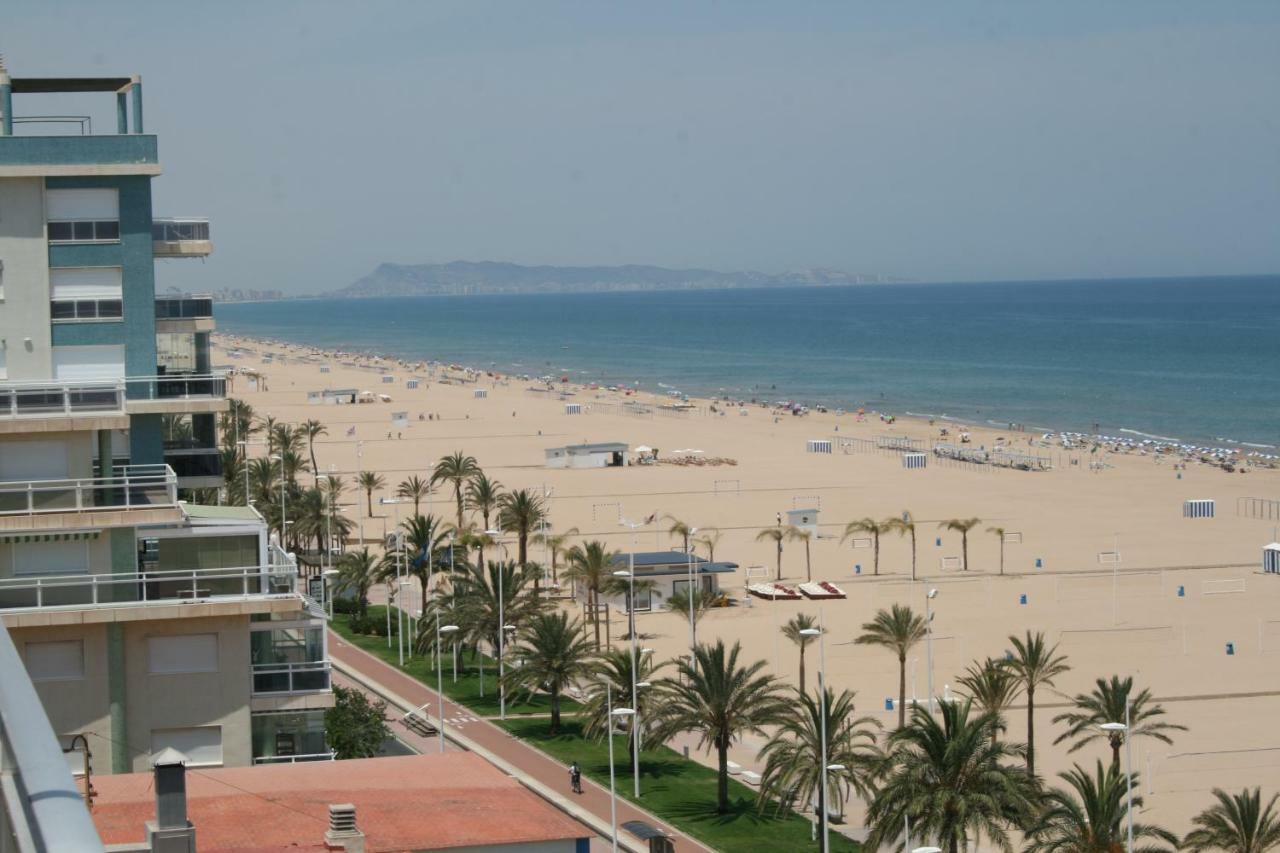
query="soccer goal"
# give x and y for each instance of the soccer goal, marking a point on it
(604, 510)
(951, 563)
(1108, 558)
(861, 541)
(727, 487)
(1231, 586)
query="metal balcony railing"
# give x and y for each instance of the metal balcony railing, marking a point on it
(175, 229)
(293, 759)
(194, 462)
(44, 398)
(184, 307)
(70, 592)
(128, 487)
(298, 677)
(173, 386)
(41, 807)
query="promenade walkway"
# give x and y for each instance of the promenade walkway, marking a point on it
(541, 773)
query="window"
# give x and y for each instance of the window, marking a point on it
(83, 216)
(59, 660)
(202, 745)
(182, 653)
(86, 293)
(287, 735)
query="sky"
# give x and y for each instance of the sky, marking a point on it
(939, 141)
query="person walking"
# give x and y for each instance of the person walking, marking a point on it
(575, 778)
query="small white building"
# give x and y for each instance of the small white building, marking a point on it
(1271, 558)
(601, 455)
(660, 575)
(804, 519)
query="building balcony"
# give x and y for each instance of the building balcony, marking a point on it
(133, 494)
(32, 156)
(178, 314)
(106, 403)
(196, 467)
(180, 237)
(295, 677)
(177, 393)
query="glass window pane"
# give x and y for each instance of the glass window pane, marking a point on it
(86, 309)
(82, 230)
(63, 311)
(108, 230)
(111, 308)
(60, 231)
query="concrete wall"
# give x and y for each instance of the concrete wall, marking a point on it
(24, 312)
(77, 707)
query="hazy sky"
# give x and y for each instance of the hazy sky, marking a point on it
(942, 141)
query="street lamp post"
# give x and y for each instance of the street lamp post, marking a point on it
(820, 633)
(693, 630)
(613, 789)
(401, 570)
(283, 515)
(1112, 728)
(631, 619)
(503, 627)
(928, 628)
(441, 629)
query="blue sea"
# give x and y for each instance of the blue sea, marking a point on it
(1192, 359)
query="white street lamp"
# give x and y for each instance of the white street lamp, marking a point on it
(693, 630)
(928, 627)
(820, 633)
(502, 620)
(1114, 728)
(440, 630)
(630, 574)
(280, 458)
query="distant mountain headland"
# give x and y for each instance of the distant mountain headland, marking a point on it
(472, 278)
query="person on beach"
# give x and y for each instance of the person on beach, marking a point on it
(575, 778)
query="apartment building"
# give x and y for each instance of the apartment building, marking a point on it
(146, 621)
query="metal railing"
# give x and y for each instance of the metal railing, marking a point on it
(184, 307)
(175, 386)
(174, 229)
(292, 759)
(296, 677)
(41, 807)
(149, 587)
(129, 487)
(194, 462)
(52, 397)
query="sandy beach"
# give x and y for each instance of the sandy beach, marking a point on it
(1182, 590)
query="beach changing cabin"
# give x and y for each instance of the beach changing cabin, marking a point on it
(1271, 559)
(1197, 509)
(915, 460)
(818, 445)
(573, 408)
(601, 455)
(665, 574)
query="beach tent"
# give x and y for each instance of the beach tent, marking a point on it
(1197, 509)
(818, 445)
(914, 460)
(1271, 558)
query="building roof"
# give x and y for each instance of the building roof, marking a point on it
(678, 561)
(200, 512)
(53, 85)
(599, 447)
(415, 802)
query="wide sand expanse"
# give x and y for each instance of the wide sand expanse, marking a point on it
(1133, 622)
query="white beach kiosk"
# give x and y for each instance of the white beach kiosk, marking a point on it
(1271, 558)
(611, 454)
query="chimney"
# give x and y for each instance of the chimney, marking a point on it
(171, 832)
(342, 833)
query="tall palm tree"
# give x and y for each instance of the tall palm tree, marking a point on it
(591, 565)
(948, 779)
(775, 535)
(993, 688)
(555, 653)
(1090, 816)
(357, 571)
(557, 547)
(720, 700)
(267, 426)
(483, 494)
(999, 532)
(425, 539)
(416, 489)
(793, 756)
(897, 629)
(313, 429)
(961, 526)
(794, 631)
(682, 600)
(905, 526)
(473, 597)
(1237, 823)
(263, 488)
(370, 480)
(1035, 664)
(710, 539)
(679, 528)
(1105, 704)
(520, 512)
(614, 665)
(874, 529)
(799, 534)
(456, 468)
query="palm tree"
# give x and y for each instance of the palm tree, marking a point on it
(720, 700)
(794, 631)
(793, 757)
(455, 468)
(1106, 704)
(591, 565)
(313, 429)
(679, 528)
(483, 495)
(614, 665)
(555, 653)
(267, 426)
(681, 600)
(1090, 816)
(776, 535)
(416, 489)
(370, 480)
(999, 532)
(962, 526)
(556, 547)
(950, 781)
(799, 534)
(1237, 823)
(993, 688)
(905, 526)
(425, 539)
(897, 629)
(357, 571)
(473, 598)
(1034, 664)
(710, 539)
(520, 512)
(872, 527)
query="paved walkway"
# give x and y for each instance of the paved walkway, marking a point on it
(543, 774)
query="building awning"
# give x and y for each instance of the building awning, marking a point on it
(61, 536)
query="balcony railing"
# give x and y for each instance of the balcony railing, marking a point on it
(184, 307)
(195, 462)
(134, 588)
(179, 228)
(41, 807)
(129, 487)
(302, 677)
(173, 386)
(52, 397)
(293, 759)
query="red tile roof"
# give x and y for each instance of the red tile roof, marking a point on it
(402, 803)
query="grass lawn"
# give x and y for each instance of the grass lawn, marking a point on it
(466, 690)
(680, 791)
